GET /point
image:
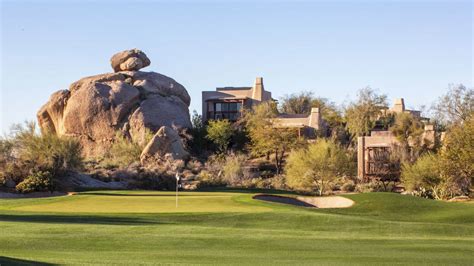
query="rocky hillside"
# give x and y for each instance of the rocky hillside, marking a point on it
(128, 101)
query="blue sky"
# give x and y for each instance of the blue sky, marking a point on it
(403, 48)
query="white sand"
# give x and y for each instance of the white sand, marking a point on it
(328, 202)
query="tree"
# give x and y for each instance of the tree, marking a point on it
(424, 177)
(302, 103)
(456, 106)
(457, 154)
(220, 133)
(265, 137)
(362, 114)
(312, 168)
(198, 142)
(408, 130)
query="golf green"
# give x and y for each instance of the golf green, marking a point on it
(229, 227)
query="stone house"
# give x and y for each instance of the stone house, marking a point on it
(229, 102)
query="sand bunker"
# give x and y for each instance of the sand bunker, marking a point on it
(314, 202)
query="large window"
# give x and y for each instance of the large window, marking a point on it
(226, 110)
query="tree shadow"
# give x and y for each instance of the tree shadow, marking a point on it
(134, 195)
(245, 190)
(14, 261)
(72, 219)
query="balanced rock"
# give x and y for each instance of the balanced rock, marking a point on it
(129, 60)
(166, 142)
(96, 108)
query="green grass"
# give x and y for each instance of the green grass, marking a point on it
(229, 227)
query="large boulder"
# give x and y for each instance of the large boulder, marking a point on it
(129, 60)
(96, 108)
(165, 143)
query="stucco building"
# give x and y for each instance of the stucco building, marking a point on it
(229, 102)
(373, 151)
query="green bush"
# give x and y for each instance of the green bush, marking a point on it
(153, 180)
(233, 169)
(348, 186)
(315, 167)
(25, 151)
(40, 181)
(220, 133)
(125, 151)
(46, 151)
(425, 178)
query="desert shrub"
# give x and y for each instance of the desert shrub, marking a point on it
(278, 182)
(46, 151)
(39, 181)
(125, 150)
(25, 152)
(195, 166)
(315, 167)
(373, 186)
(207, 179)
(348, 186)
(233, 169)
(425, 178)
(153, 180)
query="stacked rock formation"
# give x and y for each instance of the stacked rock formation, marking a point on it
(131, 101)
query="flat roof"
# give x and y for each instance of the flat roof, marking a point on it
(233, 88)
(227, 98)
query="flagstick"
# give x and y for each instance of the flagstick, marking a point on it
(177, 185)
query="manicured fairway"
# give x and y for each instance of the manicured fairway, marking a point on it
(130, 228)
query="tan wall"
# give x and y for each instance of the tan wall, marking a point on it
(255, 94)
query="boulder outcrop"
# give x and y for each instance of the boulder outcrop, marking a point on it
(95, 108)
(165, 143)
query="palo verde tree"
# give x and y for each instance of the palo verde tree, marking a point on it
(313, 168)
(362, 114)
(456, 106)
(220, 133)
(457, 154)
(301, 103)
(265, 137)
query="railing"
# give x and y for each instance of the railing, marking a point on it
(230, 115)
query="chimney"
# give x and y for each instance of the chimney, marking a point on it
(399, 105)
(257, 92)
(315, 118)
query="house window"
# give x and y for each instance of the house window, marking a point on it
(226, 110)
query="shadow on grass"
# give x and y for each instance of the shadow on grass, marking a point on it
(70, 219)
(245, 190)
(13, 261)
(135, 195)
(206, 189)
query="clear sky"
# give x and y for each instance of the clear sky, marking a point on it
(403, 48)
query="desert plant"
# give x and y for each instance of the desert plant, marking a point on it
(233, 169)
(313, 168)
(348, 186)
(362, 114)
(266, 137)
(457, 154)
(125, 150)
(25, 152)
(39, 181)
(220, 133)
(425, 178)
